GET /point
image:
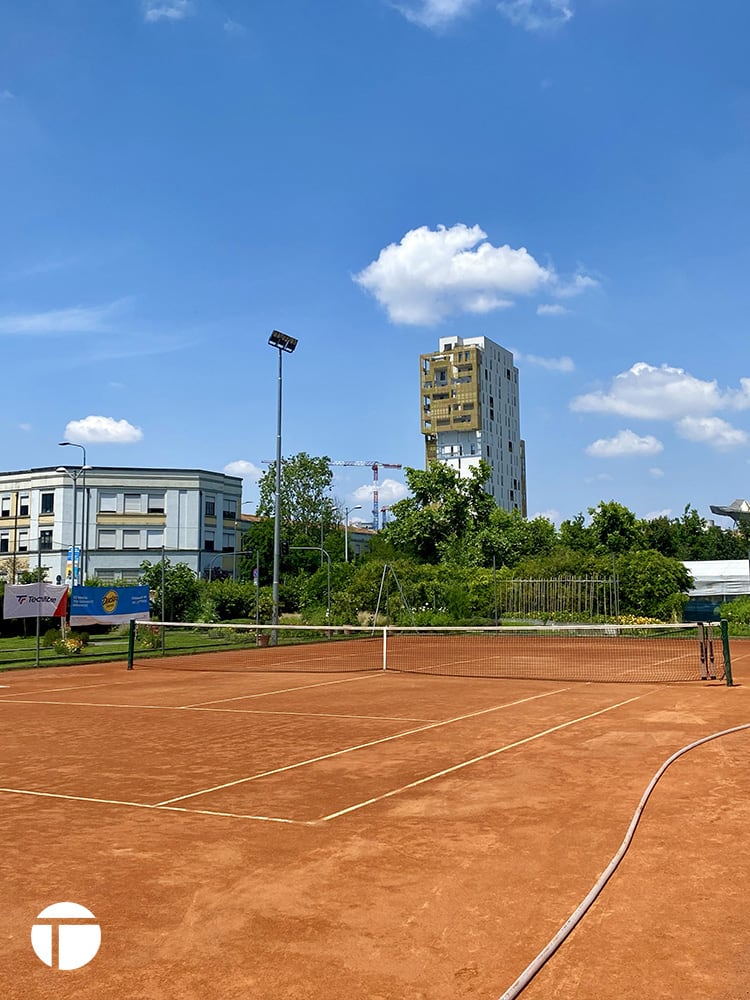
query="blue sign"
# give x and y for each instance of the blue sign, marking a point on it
(108, 605)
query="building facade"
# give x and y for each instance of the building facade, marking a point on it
(79, 523)
(470, 411)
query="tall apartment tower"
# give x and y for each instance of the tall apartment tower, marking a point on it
(470, 411)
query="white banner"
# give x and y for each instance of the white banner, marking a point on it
(35, 600)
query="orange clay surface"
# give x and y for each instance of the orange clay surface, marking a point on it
(380, 836)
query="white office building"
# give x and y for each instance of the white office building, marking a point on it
(114, 519)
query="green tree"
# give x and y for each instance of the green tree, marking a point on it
(614, 527)
(652, 584)
(444, 509)
(307, 505)
(180, 600)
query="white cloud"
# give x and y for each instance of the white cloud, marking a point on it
(625, 443)
(432, 274)
(77, 319)
(554, 309)
(663, 393)
(652, 515)
(389, 491)
(6, 95)
(234, 27)
(435, 13)
(577, 286)
(102, 430)
(656, 472)
(166, 10)
(537, 15)
(713, 431)
(246, 470)
(550, 515)
(563, 364)
(25, 428)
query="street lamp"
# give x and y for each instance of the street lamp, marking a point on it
(84, 508)
(285, 345)
(739, 511)
(347, 512)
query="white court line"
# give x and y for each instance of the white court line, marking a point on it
(359, 746)
(224, 711)
(287, 690)
(146, 805)
(476, 760)
(71, 687)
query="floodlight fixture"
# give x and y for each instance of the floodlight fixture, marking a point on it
(283, 341)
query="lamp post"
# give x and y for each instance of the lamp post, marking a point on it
(75, 475)
(347, 512)
(285, 345)
(84, 507)
(739, 511)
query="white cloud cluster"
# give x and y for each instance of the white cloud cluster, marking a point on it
(243, 469)
(435, 13)
(625, 443)
(389, 491)
(563, 364)
(77, 319)
(667, 393)
(713, 431)
(102, 430)
(537, 15)
(431, 274)
(551, 309)
(166, 10)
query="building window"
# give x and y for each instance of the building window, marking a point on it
(510, 446)
(228, 542)
(208, 541)
(23, 505)
(47, 503)
(4, 541)
(154, 539)
(45, 540)
(132, 503)
(107, 539)
(211, 507)
(131, 539)
(5, 506)
(230, 508)
(23, 541)
(156, 503)
(107, 503)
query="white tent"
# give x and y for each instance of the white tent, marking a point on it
(719, 577)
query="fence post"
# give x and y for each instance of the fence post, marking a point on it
(727, 657)
(131, 643)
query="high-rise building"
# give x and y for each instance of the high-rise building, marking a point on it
(470, 411)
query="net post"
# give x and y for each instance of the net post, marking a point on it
(727, 657)
(385, 647)
(131, 643)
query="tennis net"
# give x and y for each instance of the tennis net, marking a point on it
(625, 653)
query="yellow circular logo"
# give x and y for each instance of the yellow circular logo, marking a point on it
(109, 601)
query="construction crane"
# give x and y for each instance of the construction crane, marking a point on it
(375, 497)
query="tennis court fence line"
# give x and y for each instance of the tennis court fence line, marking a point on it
(691, 651)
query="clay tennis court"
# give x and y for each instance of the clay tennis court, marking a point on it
(374, 835)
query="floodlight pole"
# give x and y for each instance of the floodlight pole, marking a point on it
(282, 343)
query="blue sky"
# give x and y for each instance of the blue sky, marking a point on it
(568, 177)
